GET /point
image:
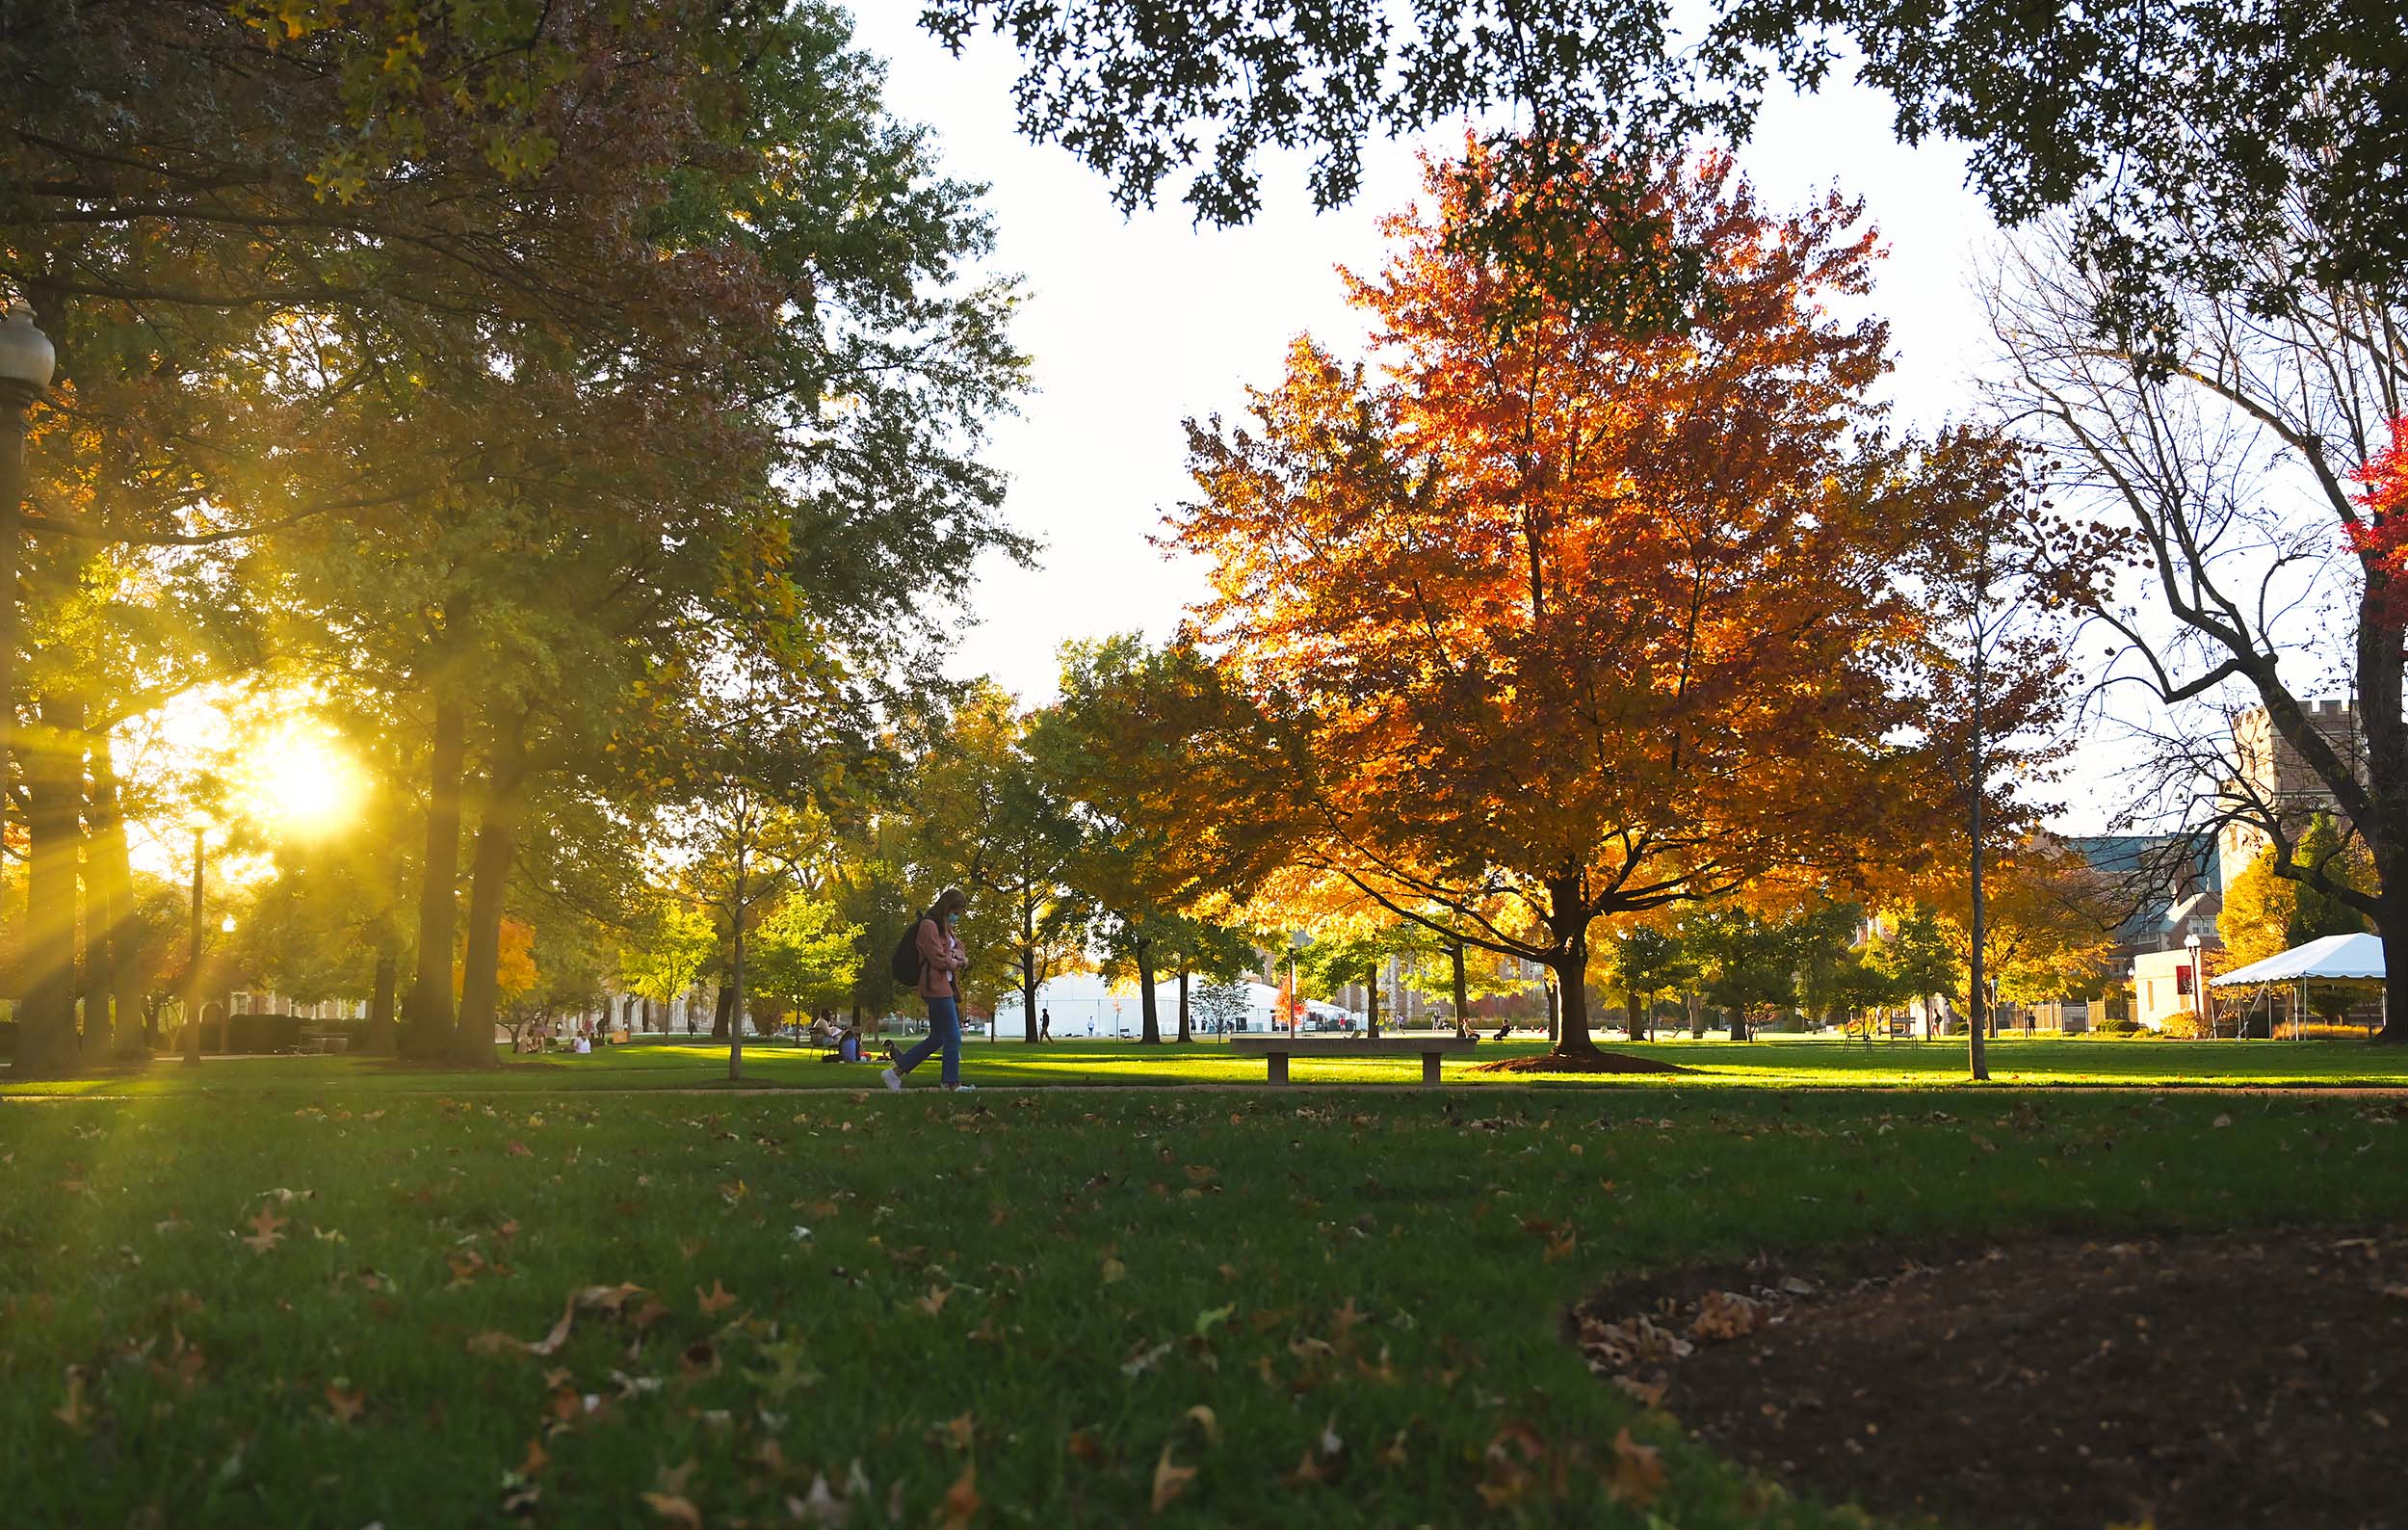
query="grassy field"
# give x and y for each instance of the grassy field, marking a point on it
(1184, 1308)
(1795, 1062)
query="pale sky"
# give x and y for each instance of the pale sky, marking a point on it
(1136, 324)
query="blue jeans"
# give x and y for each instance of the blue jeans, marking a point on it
(944, 1031)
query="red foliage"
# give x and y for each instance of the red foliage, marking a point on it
(2381, 539)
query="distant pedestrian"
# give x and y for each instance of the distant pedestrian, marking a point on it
(1045, 1026)
(940, 961)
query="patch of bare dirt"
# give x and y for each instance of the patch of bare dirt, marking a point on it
(2180, 1383)
(1598, 1063)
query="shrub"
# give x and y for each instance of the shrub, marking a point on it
(2116, 1025)
(264, 1033)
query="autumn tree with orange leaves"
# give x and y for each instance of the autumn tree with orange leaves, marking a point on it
(1576, 623)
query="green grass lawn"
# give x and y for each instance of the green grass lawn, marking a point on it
(1333, 1309)
(1786, 1062)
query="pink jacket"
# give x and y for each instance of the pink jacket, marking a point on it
(940, 956)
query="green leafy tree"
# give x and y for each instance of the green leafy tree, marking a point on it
(805, 954)
(1911, 948)
(1350, 952)
(668, 952)
(1208, 951)
(1142, 753)
(2175, 141)
(1646, 961)
(2316, 913)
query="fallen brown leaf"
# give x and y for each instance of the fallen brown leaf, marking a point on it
(266, 1236)
(715, 1300)
(75, 1413)
(676, 1509)
(961, 1500)
(1170, 1479)
(1638, 1475)
(346, 1406)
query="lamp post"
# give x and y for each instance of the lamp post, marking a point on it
(27, 360)
(2198, 982)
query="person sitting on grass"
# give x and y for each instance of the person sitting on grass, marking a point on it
(849, 1047)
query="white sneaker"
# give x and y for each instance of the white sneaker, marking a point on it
(960, 1089)
(890, 1078)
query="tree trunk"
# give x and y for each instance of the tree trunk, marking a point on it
(1632, 1023)
(192, 950)
(1567, 1013)
(1740, 1030)
(1975, 1033)
(488, 889)
(723, 1005)
(53, 772)
(1151, 1029)
(125, 931)
(1463, 1007)
(1027, 988)
(98, 1045)
(2390, 927)
(1185, 1034)
(427, 1013)
(735, 975)
(1371, 1004)
(381, 1039)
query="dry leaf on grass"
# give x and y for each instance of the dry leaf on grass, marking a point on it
(1638, 1475)
(612, 1299)
(961, 1500)
(1206, 1419)
(676, 1509)
(1170, 1479)
(346, 1406)
(75, 1413)
(715, 1300)
(266, 1236)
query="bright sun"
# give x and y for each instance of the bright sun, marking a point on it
(304, 782)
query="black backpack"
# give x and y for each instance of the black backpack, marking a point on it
(905, 964)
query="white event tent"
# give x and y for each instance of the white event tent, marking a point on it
(2334, 959)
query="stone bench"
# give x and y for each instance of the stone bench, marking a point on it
(1279, 1049)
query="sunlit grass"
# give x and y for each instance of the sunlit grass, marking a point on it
(1789, 1062)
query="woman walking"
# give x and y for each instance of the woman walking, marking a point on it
(941, 960)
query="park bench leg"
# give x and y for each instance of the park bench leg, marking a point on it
(1278, 1067)
(1429, 1069)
